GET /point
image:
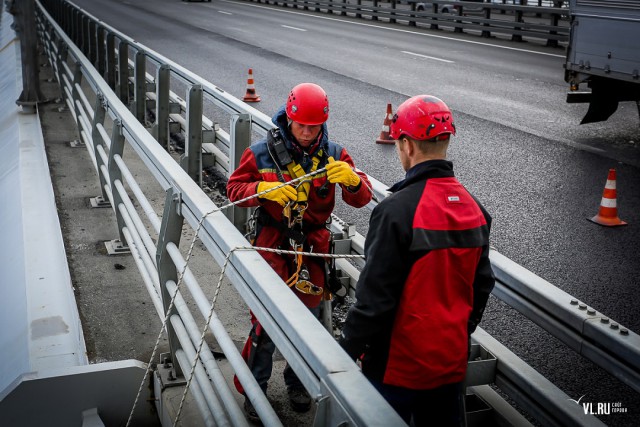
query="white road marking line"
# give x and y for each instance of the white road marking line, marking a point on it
(225, 13)
(293, 28)
(427, 57)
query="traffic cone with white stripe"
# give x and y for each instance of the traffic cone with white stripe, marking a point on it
(384, 137)
(608, 213)
(251, 95)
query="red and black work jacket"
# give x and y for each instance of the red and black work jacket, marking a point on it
(259, 164)
(425, 284)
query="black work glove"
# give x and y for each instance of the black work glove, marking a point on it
(352, 348)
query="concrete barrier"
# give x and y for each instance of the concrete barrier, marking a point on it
(40, 327)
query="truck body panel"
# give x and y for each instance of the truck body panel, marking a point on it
(604, 53)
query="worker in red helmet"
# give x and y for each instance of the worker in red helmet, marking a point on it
(294, 217)
(427, 276)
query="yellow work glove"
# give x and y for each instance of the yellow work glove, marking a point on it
(339, 172)
(281, 196)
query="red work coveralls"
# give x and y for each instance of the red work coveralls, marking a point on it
(256, 165)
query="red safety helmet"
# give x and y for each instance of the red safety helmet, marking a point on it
(422, 117)
(308, 104)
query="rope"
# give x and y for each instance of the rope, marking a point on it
(228, 256)
(215, 297)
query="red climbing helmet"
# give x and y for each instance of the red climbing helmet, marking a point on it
(308, 104)
(422, 117)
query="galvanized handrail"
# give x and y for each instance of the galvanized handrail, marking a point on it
(186, 202)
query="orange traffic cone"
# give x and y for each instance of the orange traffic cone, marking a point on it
(608, 213)
(251, 95)
(384, 137)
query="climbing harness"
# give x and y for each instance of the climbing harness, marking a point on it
(293, 212)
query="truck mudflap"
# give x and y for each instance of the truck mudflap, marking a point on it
(601, 107)
(604, 97)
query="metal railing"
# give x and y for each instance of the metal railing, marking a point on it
(483, 18)
(107, 126)
(107, 91)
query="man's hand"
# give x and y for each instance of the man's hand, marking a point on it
(281, 195)
(351, 348)
(339, 172)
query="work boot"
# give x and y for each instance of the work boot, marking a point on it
(252, 415)
(299, 399)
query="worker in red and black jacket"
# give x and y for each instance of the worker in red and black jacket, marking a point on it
(299, 145)
(427, 276)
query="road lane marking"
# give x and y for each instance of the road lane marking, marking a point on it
(225, 13)
(427, 57)
(293, 28)
(398, 30)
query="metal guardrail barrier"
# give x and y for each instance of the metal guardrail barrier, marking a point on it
(487, 18)
(107, 87)
(586, 331)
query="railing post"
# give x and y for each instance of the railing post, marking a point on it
(554, 23)
(191, 160)
(412, 22)
(117, 147)
(518, 17)
(374, 16)
(434, 9)
(358, 14)
(486, 13)
(140, 86)
(84, 35)
(101, 201)
(458, 29)
(160, 129)
(77, 80)
(111, 61)
(100, 50)
(123, 72)
(63, 51)
(74, 25)
(73, 22)
(25, 27)
(64, 17)
(392, 14)
(92, 47)
(170, 232)
(240, 136)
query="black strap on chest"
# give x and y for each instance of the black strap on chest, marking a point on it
(276, 146)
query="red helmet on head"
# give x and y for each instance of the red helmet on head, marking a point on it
(308, 104)
(422, 117)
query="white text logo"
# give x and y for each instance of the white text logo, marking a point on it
(600, 408)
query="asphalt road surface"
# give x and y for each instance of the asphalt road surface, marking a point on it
(519, 147)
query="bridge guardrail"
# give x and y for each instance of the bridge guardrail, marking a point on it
(185, 201)
(487, 18)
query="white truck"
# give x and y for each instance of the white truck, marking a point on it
(604, 54)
